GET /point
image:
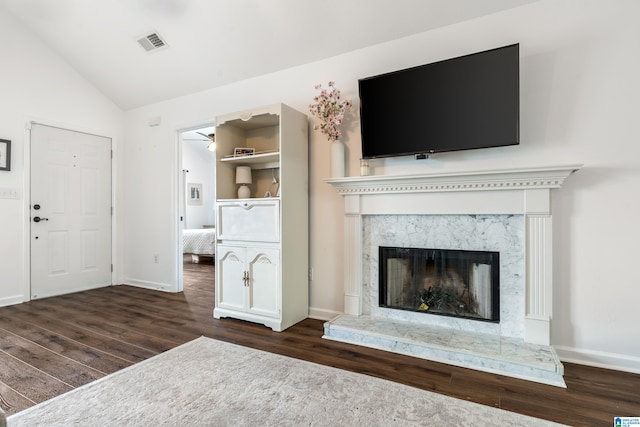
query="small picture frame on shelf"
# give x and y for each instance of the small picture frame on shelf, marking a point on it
(5, 155)
(243, 151)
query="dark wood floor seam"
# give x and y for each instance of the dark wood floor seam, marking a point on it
(35, 368)
(98, 332)
(57, 353)
(6, 404)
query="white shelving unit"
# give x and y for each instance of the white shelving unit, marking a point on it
(262, 243)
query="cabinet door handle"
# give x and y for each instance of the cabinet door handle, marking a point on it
(245, 278)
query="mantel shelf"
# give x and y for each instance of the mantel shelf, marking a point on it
(486, 180)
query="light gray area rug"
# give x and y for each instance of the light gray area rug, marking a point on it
(207, 382)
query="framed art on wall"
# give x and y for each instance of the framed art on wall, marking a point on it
(194, 194)
(5, 155)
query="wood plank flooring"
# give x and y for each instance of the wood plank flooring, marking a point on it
(50, 346)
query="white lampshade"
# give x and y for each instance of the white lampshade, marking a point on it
(243, 175)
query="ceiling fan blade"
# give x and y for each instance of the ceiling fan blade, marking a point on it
(210, 138)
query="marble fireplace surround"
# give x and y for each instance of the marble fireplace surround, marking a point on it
(501, 193)
(496, 233)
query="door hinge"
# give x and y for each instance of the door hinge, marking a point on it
(112, 154)
(111, 210)
(112, 268)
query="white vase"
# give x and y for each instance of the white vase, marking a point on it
(337, 159)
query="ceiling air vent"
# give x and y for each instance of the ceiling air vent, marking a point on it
(152, 42)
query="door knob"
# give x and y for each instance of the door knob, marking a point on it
(38, 219)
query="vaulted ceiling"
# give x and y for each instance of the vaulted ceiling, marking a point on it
(210, 43)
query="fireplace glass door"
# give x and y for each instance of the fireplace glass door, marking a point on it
(439, 281)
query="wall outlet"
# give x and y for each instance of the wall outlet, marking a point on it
(156, 258)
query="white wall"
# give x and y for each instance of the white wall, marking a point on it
(37, 86)
(201, 164)
(579, 87)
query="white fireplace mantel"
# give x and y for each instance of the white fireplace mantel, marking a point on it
(524, 191)
(485, 180)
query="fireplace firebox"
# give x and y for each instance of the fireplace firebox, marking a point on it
(444, 282)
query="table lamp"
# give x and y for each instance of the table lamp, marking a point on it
(243, 177)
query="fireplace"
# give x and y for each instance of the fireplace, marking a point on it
(456, 283)
(508, 211)
(457, 210)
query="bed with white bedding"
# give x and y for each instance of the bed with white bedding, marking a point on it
(199, 242)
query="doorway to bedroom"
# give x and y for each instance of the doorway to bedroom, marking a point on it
(196, 206)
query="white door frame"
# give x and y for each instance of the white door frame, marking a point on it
(177, 193)
(26, 209)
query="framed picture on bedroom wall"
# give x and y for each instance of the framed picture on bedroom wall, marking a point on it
(5, 155)
(194, 194)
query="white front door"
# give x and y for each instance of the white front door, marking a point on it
(70, 211)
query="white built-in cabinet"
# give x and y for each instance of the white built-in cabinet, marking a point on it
(262, 253)
(250, 280)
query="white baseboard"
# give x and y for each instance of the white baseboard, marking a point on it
(16, 299)
(322, 314)
(69, 291)
(148, 285)
(599, 359)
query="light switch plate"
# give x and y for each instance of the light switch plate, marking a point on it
(9, 193)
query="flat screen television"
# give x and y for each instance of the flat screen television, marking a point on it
(457, 104)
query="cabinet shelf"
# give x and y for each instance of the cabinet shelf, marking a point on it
(251, 199)
(256, 161)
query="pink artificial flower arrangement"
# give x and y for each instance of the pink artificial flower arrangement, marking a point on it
(330, 108)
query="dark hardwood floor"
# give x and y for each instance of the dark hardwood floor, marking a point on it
(50, 346)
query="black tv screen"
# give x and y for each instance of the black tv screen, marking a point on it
(457, 104)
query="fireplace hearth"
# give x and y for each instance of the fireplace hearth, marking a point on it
(456, 283)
